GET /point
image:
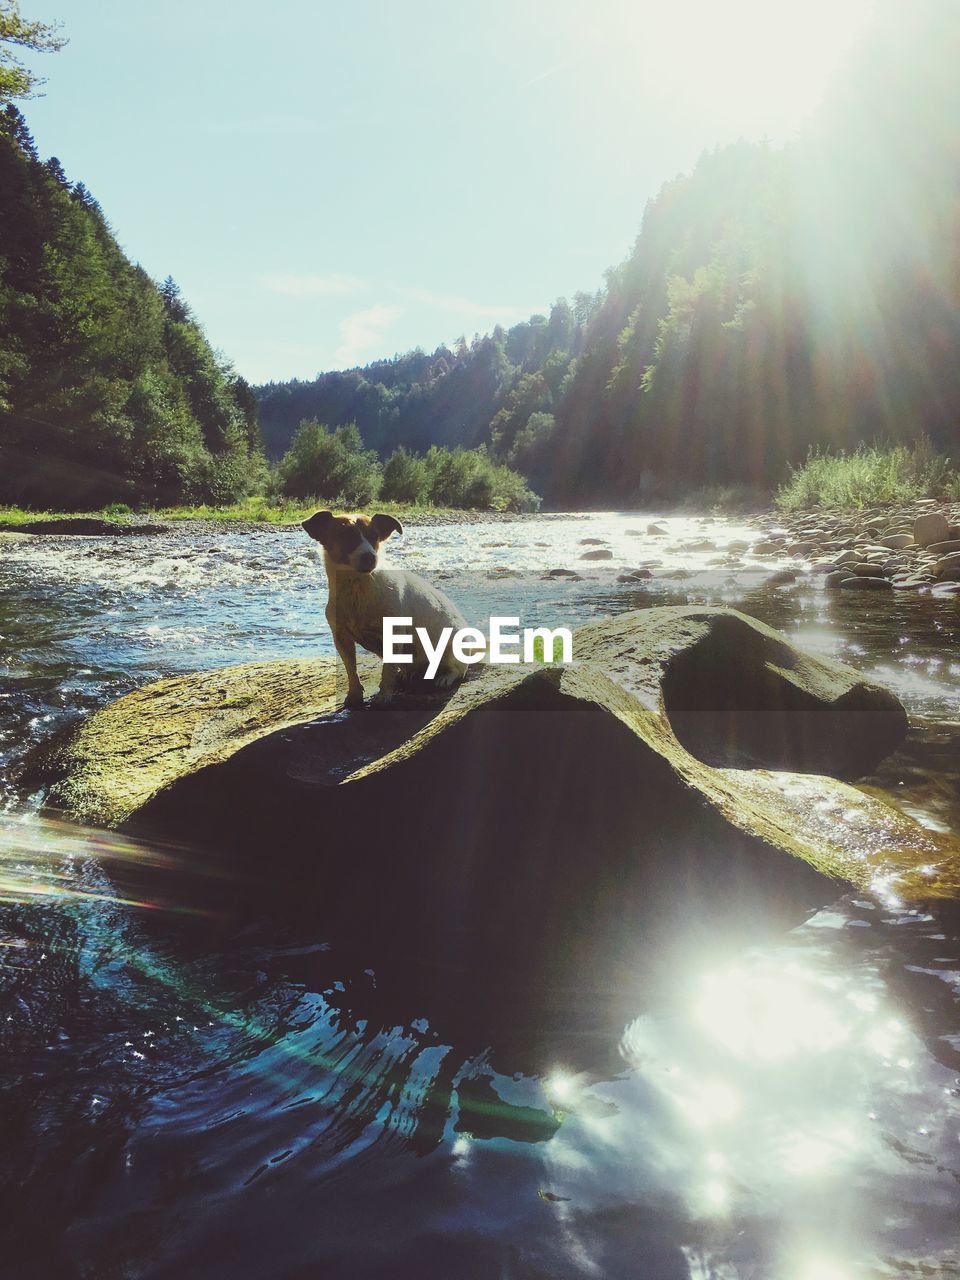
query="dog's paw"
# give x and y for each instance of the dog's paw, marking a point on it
(448, 680)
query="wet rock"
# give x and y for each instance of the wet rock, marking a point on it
(896, 541)
(657, 528)
(943, 548)
(865, 583)
(592, 542)
(689, 732)
(833, 581)
(947, 564)
(864, 569)
(600, 554)
(781, 578)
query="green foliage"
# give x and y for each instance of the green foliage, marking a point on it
(406, 477)
(109, 390)
(333, 465)
(471, 478)
(16, 80)
(530, 451)
(870, 476)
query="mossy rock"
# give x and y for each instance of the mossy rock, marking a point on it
(673, 723)
(551, 829)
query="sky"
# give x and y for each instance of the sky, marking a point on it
(331, 183)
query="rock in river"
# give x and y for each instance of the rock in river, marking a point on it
(675, 771)
(556, 829)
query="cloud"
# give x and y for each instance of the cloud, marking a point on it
(362, 334)
(294, 285)
(464, 308)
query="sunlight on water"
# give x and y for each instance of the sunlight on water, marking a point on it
(766, 1017)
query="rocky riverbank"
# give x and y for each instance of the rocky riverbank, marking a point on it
(914, 547)
(83, 526)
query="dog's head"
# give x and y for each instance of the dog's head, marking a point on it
(353, 542)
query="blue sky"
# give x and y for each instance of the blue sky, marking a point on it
(333, 182)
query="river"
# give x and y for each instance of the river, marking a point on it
(242, 1102)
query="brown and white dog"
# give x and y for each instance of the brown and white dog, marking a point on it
(362, 594)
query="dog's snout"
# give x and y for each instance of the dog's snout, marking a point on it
(366, 561)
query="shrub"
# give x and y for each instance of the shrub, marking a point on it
(406, 478)
(871, 475)
(330, 464)
(470, 478)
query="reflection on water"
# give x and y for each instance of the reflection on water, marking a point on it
(227, 1096)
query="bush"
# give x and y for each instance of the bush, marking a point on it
(531, 445)
(330, 464)
(406, 478)
(470, 478)
(872, 475)
(455, 478)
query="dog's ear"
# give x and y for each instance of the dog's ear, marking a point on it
(383, 526)
(318, 524)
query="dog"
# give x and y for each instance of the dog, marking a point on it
(363, 594)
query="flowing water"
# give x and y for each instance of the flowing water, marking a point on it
(185, 1097)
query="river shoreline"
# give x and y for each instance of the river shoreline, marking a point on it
(768, 519)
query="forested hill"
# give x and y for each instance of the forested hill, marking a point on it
(109, 390)
(498, 390)
(775, 299)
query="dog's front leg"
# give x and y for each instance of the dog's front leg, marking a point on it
(390, 675)
(347, 650)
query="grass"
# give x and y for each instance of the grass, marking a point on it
(250, 510)
(873, 475)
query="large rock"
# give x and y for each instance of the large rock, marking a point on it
(550, 829)
(933, 526)
(667, 715)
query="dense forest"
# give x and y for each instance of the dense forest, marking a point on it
(109, 390)
(775, 300)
